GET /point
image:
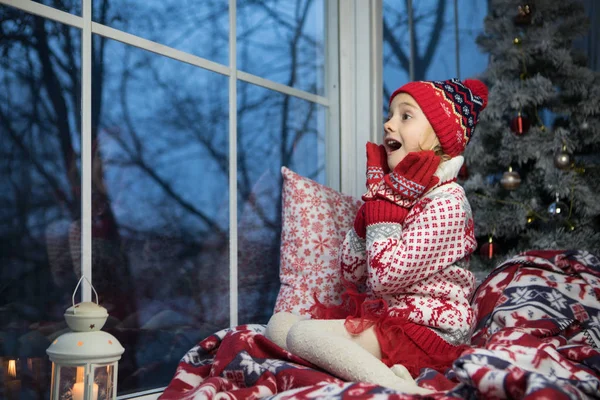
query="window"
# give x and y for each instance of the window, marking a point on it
(141, 145)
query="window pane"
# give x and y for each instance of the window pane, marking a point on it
(39, 193)
(435, 41)
(470, 24)
(197, 27)
(283, 41)
(160, 208)
(396, 47)
(273, 130)
(70, 6)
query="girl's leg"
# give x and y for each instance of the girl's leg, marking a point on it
(356, 358)
(279, 325)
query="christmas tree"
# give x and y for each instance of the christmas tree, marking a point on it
(532, 173)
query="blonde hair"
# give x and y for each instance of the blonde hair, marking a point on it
(436, 146)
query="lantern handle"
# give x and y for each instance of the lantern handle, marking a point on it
(79, 283)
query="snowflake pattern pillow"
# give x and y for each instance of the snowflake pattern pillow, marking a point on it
(315, 221)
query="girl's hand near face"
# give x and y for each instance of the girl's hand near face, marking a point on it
(414, 175)
(377, 167)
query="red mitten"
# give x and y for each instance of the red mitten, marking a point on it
(413, 176)
(378, 211)
(377, 167)
(359, 223)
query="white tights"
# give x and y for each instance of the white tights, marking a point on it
(327, 344)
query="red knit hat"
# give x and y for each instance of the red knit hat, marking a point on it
(452, 108)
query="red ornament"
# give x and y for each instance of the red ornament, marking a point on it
(520, 124)
(489, 249)
(463, 172)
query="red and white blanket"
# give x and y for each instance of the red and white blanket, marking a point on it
(537, 337)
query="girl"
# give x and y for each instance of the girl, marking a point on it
(406, 304)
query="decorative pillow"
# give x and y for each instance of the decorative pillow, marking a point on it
(315, 221)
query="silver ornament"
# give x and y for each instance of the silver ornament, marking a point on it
(558, 210)
(562, 160)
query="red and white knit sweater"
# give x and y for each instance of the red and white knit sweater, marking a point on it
(419, 265)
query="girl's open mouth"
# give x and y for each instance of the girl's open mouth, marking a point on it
(392, 145)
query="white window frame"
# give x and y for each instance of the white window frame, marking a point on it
(361, 88)
(353, 83)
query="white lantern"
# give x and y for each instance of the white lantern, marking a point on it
(85, 360)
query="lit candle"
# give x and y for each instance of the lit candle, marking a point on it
(79, 388)
(13, 385)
